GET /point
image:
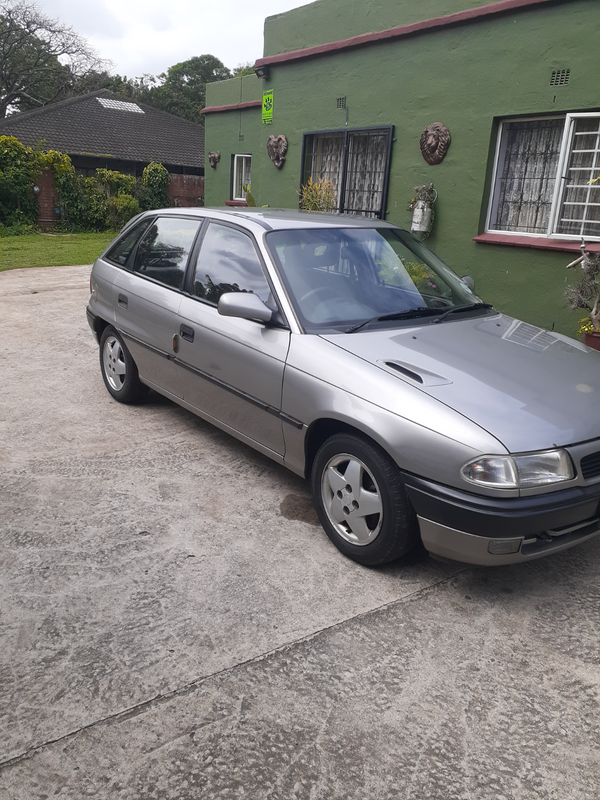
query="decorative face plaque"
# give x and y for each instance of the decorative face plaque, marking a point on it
(276, 149)
(434, 143)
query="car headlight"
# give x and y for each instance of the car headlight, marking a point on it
(519, 472)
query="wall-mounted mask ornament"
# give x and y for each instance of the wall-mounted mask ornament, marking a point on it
(214, 157)
(276, 149)
(434, 143)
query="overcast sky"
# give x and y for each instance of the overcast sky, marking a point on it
(149, 36)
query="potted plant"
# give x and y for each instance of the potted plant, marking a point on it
(586, 294)
(319, 195)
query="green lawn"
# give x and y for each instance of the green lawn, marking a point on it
(55, 250)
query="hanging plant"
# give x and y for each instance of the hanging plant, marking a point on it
(586, 294)
(421, 207)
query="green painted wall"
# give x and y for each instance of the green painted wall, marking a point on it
(236, 90)
(329, 20)
(466, 77)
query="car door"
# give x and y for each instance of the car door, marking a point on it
(149, 297)
(233, 367)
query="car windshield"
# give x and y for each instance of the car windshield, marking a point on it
(345, 278)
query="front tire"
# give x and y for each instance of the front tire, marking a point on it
(361, 501)
(118, 368)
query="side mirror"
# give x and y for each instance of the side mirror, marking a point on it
(469, 281)
(245, 305)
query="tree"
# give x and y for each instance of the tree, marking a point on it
(183, 88)
(139, 89)
(40, 59)
(243, 69)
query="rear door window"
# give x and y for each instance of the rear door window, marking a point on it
(121, 251)
(163, 252)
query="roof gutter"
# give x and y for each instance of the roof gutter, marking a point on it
(233, 107)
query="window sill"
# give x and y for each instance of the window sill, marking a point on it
(536, 242)
(237, 203)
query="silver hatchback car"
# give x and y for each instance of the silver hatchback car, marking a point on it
(347, 351)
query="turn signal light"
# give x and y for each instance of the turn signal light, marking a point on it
(501, 547)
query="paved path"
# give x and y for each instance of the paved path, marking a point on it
(175, 624)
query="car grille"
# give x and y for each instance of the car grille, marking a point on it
(590, 465)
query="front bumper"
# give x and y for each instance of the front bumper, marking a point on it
(488, 530)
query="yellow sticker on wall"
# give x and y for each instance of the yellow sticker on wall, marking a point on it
(267, 107)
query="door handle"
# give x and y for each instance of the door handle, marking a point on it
(186, 333)
(123, 300)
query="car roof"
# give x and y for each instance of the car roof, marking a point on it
(279, 218)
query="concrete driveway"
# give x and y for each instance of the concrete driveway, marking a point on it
(175, 624)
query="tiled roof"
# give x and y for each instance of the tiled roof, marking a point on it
(105, 124)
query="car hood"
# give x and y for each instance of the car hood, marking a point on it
(529, 388)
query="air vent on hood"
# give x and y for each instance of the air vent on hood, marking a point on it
(415, 374)
(407, 372)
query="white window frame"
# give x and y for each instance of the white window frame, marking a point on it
(239, 161)
(559, 183)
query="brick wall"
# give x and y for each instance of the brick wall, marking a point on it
(47, 199)
(186, 191)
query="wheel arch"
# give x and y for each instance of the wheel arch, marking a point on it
(321, 429)
(119, 370)
(98, 326)
(371, 522)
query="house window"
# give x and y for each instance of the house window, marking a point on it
(356, 162)
(542, 177)
(242, 168)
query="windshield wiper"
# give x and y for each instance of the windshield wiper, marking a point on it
(422, 311)
(468, 307)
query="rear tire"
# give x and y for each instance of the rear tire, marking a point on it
(361, 501)
(118, 368)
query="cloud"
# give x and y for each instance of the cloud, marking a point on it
(150, 36)
(89, 20)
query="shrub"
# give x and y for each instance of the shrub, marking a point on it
(80, 208)
(107, 199)
(19, 226)
(152, 191)
(84, 207)
(121, 209)
(19, 169)
(104, 200)
(114, 183)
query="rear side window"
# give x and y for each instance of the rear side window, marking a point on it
(164, 250)
(228, 262)
(121, 251)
